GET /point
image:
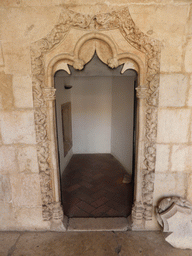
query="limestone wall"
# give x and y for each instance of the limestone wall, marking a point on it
(25, 21)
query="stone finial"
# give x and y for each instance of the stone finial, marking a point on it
(174, 214)
(78, 64)
(113, 63)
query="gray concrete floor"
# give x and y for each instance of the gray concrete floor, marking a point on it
(86, 244)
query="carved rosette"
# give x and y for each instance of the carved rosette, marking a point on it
(122, 20)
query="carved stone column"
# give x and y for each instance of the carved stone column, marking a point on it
(58, 221)
(137, 216)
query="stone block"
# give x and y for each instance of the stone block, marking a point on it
(27, 159)
(188, 56)
(5, 189)
(7, 218)
(181, 158)
(8, 162)
(158, 21)
(162, 158)
(17, 57)
(30, 219)
(173, 125)
(22, 91)
(169, 184)
(172, 91)
(17, 127)
(25, 190)
(178, 157)
(171, 56)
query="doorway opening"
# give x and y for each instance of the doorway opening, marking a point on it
(97, 172)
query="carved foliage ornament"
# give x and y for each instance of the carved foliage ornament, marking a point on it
(122, 20)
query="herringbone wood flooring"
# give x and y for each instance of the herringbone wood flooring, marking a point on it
(92, 187)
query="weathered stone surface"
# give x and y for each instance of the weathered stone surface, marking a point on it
(42, 2)
(27, 159)
(98, 224)
(31, 218)
(162, 158)
(188, 56)
(153, 20)
(7, 240)
(181, 158)
(87, 243)
(173, 90)
(173, 125)
(7, 218)
(8, 162)
(174, 214)
(189, 95)
(5, 188)
(1, 55)
(17, 58)
(22, 91)
(189, 25)
(25, 25)
(189, 187)
(167, 184)
(6, 91)
(26, 190)
(10, 3)
(17, 127)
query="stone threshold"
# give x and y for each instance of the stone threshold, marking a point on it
(98, 224)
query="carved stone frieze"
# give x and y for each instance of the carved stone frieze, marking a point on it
(49, 94)
(122, 20)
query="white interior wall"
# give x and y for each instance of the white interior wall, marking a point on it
(122, 120)
(91, 114)
(62, 96)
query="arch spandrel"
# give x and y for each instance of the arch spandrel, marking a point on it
(46, 56)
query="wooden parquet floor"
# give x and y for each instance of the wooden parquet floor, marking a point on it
(92, 187)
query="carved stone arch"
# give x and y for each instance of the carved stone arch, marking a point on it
(111, 61)
(49, 55)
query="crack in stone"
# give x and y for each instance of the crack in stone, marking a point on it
(119, 246)
(13, 247)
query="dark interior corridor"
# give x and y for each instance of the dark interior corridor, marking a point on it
(93, 186)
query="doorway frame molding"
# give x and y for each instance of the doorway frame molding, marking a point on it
(147, 105)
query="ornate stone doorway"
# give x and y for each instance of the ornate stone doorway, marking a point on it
(117, 41)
